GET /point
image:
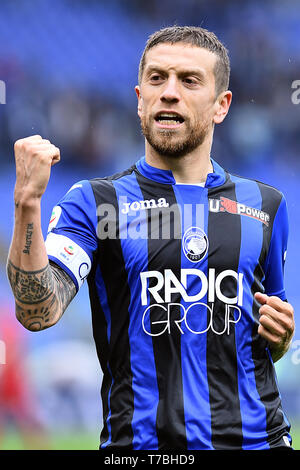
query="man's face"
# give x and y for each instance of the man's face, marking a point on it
(177, 102)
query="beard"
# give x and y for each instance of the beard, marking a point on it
(167, 143)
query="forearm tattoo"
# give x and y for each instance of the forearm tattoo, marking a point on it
(41, 296)
(30, 287)
(29, 232)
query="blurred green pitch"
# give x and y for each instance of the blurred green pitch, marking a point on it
(83, 441)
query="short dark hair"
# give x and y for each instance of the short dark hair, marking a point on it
(194, 36)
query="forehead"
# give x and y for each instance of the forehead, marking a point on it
(180, 56)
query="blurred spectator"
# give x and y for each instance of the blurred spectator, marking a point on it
(19, 407)
(77, 86)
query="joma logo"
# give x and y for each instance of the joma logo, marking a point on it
(143, 205)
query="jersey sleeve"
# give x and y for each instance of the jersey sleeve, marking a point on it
(71, 239)
(274, 266)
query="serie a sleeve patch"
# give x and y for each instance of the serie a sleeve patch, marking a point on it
(70, 256)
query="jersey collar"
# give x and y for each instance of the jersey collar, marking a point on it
(217, 178)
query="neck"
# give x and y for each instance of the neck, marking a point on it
(190, 169)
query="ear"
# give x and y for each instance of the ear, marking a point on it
(140, 99)
(222, 104)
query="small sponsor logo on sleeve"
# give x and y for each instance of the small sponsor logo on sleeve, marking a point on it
(67, 253)
(70, 254)
(56, 213)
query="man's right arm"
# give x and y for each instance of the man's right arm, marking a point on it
(42, 290)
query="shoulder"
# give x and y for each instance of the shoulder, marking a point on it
(104, 189)
(84, 188)
(116, 176)
(78, 198)
(268, 192)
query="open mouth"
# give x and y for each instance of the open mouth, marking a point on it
(169, 119)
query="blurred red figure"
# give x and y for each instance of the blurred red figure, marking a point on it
(17, 401)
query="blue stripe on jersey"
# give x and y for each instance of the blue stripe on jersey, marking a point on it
(274, 265)
(78, 219)
(144, 380)
(101, 290)
(106, 443)
(194, 212)
(217, 178)
(156, 174)
(102, 295)
(253, 412)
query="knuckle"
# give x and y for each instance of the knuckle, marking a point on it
(262, 317)
(290, 310)
(264, 309)
(35, 138)
(288, 316)
(18, 144)
(286, 320)
(275, 302)
(31, 149)
(44, 157)
(264, 321)
(55, 151)
(286, 325)
(282, 331)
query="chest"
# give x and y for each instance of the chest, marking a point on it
(191, 227)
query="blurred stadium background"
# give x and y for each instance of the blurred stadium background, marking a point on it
(70, 68)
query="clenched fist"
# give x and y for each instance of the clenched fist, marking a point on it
(276, 323)
(34, 157)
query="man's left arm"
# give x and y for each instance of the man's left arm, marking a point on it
(276, 323)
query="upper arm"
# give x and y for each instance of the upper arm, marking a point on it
(72, 239)
(275, 261)
(64, 287)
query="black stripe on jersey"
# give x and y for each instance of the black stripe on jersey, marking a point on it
(264, 370)
(170, 423)
(100, 336)
(224, 235)
(110, 256)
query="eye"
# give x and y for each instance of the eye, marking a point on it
(190, 81)
(156, 78)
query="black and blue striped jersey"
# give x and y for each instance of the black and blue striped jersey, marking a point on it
(172, 270)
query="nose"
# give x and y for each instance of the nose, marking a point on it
(170, 92)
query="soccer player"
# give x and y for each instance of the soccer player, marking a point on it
(184, 263)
